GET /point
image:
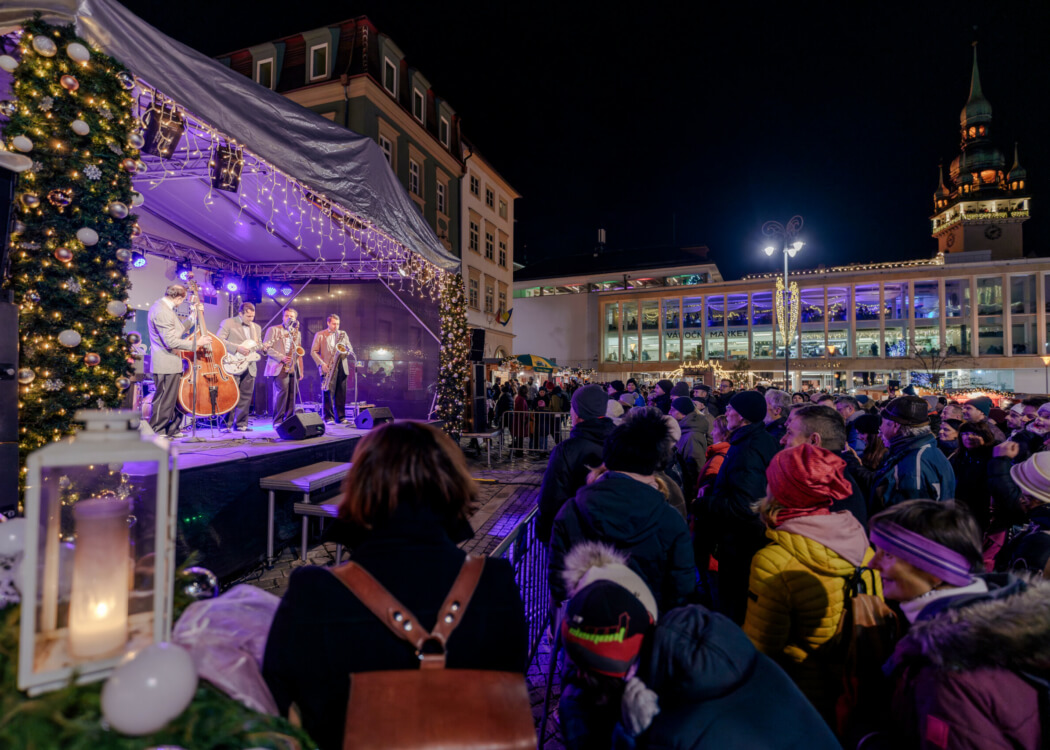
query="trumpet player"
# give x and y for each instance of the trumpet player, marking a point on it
(284, 363)
(331, 350)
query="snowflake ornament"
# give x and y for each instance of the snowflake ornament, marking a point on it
(92, 172)
(46, 104)
(36, 167)
(106, 113)
(72, 285)
(115, 148)
(53, 385)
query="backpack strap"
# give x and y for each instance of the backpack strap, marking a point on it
(400, 620)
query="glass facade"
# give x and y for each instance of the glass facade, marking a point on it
(715, 312)
(868, 338)
(630, 332)
(672, 336)
(693, 327)
(611, 333)
(651, 330)
(737, 314)
(762, 325)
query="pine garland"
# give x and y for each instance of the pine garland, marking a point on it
(61, 283)
(455, 351)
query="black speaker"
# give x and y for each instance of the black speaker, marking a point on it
(369, 418)
(301, 426)
(477, 344)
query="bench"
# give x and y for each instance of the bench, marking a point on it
(487, 437)
(307, 480)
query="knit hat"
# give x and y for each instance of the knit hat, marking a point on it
(982, 403)
(997, 415)
(613, 409)
(610, 612)
(909, 411)
(681, 388)
(805, 480)
(641, 444)
(931, 402)
(751, 405)
(665, 385)
(862, 399)
(909, 390)
(1017, 408)
(617, 385)
(673, 427)
(683, 404)
(703, 387)
(954, 423)
(589, 402)
(628, 399)
(1033, 476)
(867, 424)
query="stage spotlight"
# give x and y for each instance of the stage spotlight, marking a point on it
(233, 284)
(286, 290)
(138, 260)
(164, 129)
(226, 164)
(183, 270)
(270, 289)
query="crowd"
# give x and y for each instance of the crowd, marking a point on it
(745, 568)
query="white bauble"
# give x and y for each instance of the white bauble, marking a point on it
(87, 235)
(13, 536)
(8, 63)
(80, 127)
(78, 52)
(116, 308)
(69, 338)
(154, 687)
(22, 143)
(44, 46)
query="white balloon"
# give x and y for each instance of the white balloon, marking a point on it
(8, 63)
(154, 687)
(87, 235)
(12, 536)
(80, 127)
(78, 52)
(22, 143)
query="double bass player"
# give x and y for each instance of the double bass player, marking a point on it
(167, 336)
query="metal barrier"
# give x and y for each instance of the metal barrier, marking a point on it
(533, 431)
(529, 557)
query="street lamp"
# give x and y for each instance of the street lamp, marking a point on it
(1046, 370)
(785, 239)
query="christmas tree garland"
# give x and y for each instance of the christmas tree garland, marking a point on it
(72, 115)
(454, 374)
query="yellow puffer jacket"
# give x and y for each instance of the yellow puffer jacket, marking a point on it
(796, 596)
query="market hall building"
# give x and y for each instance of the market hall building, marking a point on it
(975, 315)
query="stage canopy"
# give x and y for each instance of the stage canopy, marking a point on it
(313, 199)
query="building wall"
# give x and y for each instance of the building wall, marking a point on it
(562, 327)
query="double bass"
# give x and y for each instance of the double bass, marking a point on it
(217, 391)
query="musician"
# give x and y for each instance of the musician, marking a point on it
(325, 354)
(284, 364)
(243, 336)
(167, 336)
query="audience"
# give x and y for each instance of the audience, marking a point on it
(913, 467)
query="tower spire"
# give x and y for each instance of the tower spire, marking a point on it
(977, 109)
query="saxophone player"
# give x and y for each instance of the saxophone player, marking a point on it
(331, 350)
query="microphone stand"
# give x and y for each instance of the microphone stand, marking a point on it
(193, 407)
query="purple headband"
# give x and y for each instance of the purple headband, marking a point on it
(923, 553)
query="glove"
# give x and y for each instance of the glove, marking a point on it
(639, 707)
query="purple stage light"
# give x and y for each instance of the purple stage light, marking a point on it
(232, 285)
(138, 260)
(286, 290)
(270, 290)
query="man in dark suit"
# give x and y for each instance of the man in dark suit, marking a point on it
(243, 335)
(167, 337)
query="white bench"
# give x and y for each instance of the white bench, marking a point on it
(307, 480)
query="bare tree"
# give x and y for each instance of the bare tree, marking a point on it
(935, 364)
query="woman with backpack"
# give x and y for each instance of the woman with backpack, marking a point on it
(798, 587)
(964, 675)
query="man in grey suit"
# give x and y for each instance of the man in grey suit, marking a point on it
(284, 364)
(236, 331)
(167, 337)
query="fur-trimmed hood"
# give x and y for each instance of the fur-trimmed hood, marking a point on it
(1007, 628)
(588, 562)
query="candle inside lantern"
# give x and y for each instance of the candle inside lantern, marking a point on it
(98, 608)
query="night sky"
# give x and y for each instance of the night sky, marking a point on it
(692, 126)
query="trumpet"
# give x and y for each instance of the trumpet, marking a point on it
(338, 352)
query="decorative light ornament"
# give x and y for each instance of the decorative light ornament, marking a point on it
(26, 376)
(789, 313)
(8, 108)
(116, 308)
(123, 383)
(8, 63)
(136, 230)
(60, 197)
(32, 296)
(69, 83)
(136, 141)
(69, 338)
(63, 254)
(134, 338)
(137, 198)
(78, 52)
(44, 46)
(91, 359)
(30, 201)
(123, 254)
(22, 143)
(130, 165)
(126, 80)
(88, 236)
(80, 127)
(117, 210)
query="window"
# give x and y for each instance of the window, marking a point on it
(502, 298)
(443, 131)
(502, 208)
(490, 198)
(318, 62)
(419, 106)
(388, 149)
(472, 293)
(441, 198)
(475, 185)
(490, 246)
(390, 76)
(475, 237)
(490, 295)
(264, 73)
(413, 178)
(503, 252)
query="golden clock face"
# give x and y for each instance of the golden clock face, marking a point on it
(993, 232)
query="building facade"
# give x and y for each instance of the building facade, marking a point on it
(488, 252)
(358, 77)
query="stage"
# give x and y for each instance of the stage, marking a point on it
(222, 509)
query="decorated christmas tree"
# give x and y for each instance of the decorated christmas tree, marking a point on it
(454, 375)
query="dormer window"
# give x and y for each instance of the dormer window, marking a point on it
(390, 76)
(318, 62)
(264, 73)
(419, 106)
(444, 129)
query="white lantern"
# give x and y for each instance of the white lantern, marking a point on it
(99, 559)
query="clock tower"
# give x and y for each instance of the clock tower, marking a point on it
(984, 207)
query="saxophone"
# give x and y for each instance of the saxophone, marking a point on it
(338, 351)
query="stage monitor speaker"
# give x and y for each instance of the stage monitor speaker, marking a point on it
(477, 344)
(301, 426)
(369, 418)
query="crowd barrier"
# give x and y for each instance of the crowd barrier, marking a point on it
(528, 556)
(533, 431)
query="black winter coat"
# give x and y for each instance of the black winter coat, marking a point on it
(568, 467)
(777, 428)
(717, 691)
(321, 633)
(971, 482)
(636, 519)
